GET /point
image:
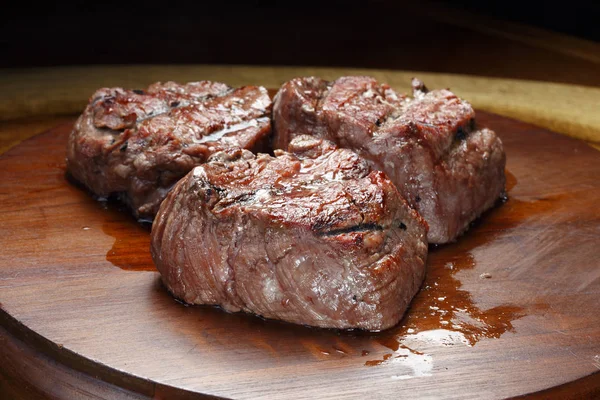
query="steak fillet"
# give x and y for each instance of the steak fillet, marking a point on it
(448, 169)
(138, 144)
(310, 237)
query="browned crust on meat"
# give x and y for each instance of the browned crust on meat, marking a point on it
(138, 143)
(285, 238)
(430, 146)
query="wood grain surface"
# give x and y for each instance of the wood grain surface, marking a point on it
(511, 309)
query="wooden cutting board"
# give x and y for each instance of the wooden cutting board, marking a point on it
(512, 308)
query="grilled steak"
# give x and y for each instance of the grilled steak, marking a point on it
(446, 167)
(138, 144)
(310, 237)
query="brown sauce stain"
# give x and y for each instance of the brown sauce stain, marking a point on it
(442, 303)
(374, 363)
(131, 248)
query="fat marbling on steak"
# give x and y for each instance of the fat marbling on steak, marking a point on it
(137, 144)
(311, 236)
(446, 167)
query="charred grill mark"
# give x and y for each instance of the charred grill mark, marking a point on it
(215, 188)
(355, 228)
(209, 194)
(245, 197)
(227, 199)
(206, 189)
(151, 115)
(355, 204)
(321, 226)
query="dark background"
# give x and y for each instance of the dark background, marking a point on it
(371, 34)
(577, 18)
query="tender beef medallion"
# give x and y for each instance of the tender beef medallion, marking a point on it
(447, 167)
(310, 236)
(138, 143)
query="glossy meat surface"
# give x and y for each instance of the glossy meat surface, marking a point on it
(311, 236)
(137, 144)
(429, 145)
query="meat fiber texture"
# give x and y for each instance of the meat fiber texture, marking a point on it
(448, 168)
(137, 144)
(310, 236)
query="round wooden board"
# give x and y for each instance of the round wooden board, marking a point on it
(511, 308)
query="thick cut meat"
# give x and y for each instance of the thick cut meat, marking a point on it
(310, 237)
(138, 144)
(446, 167)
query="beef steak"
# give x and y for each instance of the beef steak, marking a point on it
(138, 144)
(447, 167)
(310, 236)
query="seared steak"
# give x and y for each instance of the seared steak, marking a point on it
(310, 237)
(138, 144)
(447, 167)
